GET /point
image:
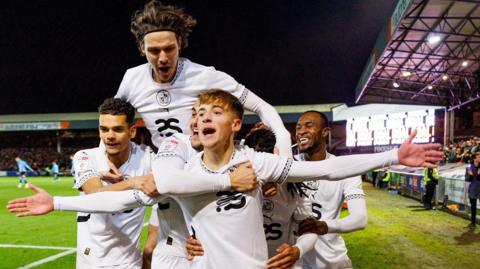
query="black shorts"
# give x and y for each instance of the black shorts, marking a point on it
(23, 174)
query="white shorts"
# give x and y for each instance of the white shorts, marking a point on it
(83, 264)
(169, 262)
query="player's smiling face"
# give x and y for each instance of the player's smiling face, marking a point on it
(216, 126)
(162, 50)
(115, 133)
(310, 132)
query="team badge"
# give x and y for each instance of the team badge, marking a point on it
(268, 206)
(163, 97)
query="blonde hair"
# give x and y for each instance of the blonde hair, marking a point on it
(223, 99)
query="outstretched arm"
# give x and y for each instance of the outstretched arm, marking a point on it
(408, 154)
(43, 203)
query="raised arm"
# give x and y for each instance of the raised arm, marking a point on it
(271, 118)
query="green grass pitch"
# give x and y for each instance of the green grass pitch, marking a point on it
(58, 229)
(399, 234)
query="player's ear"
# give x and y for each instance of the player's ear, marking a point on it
(133, 131)
(325, 132)
(236, 125)
(141, 48)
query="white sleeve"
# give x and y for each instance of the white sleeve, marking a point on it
(340, 167)
(84, 168)
(172, 180)
(270, 117)
(95, 203)
(122, 89)
(357, 208)
(306, 242)
(269, 167)
(154, 216)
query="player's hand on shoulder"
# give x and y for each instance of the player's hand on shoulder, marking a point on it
(286, 257)
(243, 178)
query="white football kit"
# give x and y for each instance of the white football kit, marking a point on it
(109, 240)
(281, 215)
(327, 198)
(219, 220)
(166, 107)
(171, 157)
(230, 224)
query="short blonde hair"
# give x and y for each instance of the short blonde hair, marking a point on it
(223, 99)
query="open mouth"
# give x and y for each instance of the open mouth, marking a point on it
(303, 140)
(194, 131)
(164, 69)
(111, 145)
(208, 131)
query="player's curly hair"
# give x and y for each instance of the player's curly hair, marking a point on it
(116, 106)
(156, 16)
(263, 140)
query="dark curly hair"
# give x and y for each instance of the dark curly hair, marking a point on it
(263, 140)
(156, 16)
(116, 106)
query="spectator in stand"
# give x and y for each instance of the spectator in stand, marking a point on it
(472, 176)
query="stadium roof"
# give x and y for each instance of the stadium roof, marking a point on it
(427, 53)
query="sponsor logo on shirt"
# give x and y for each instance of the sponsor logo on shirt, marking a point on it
(230, 200)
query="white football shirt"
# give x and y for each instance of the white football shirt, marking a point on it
(281, 213)
(327, 199)
(166, 107)
(109, 239)
(230, 224)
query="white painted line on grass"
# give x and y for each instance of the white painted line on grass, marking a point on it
(48, 259)
(30, 246)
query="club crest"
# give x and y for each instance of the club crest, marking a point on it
(163, 98)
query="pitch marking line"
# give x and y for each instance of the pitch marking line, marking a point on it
(48, 259)
(45, 260)
(38, 247)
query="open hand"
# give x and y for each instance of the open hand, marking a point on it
(39, 204)
(419, 155)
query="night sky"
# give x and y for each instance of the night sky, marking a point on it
(67, 56)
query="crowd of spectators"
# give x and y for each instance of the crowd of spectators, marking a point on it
(462, 149)
(40, 149)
